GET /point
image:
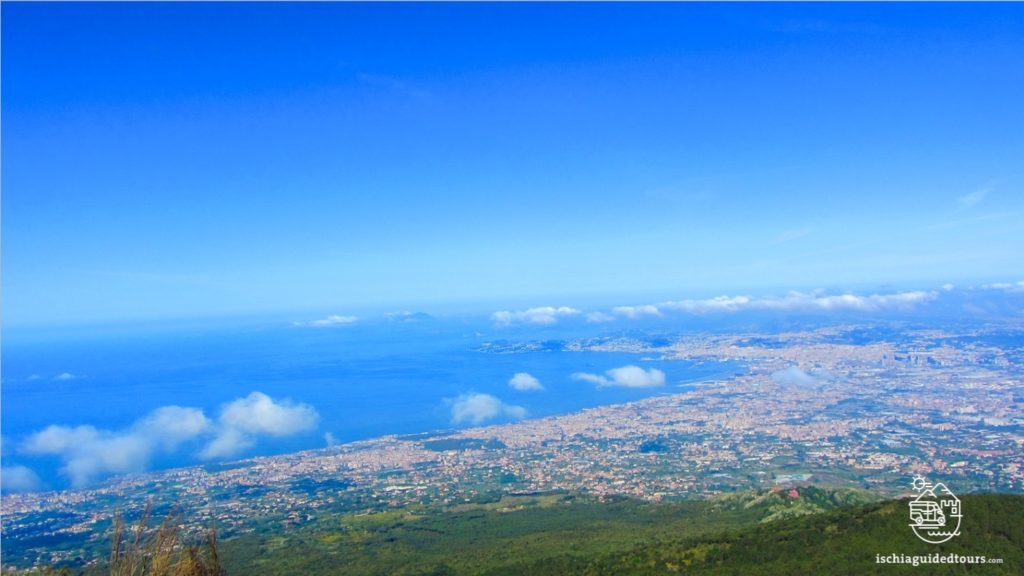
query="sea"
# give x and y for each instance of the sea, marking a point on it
(393, 375)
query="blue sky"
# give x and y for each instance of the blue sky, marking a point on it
(187, 160)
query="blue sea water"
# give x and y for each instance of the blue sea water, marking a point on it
(364, 380)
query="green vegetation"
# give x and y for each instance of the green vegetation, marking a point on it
(843, 541)
(526, 534)
(802, 531)
(463, 444)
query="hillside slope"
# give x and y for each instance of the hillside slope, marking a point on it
(842, 541)
(809, 531)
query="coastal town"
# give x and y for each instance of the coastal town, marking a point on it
(834, 406)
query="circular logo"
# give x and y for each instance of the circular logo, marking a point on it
(935, 513)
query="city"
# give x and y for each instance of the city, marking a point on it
(812, 409)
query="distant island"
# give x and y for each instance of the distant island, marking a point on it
(830, 407)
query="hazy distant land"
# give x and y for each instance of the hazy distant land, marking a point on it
(833, 406)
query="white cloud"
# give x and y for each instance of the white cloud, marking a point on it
(948, 287)
(172, 425)
(330, 440)
(540, 315)
(257, 414)
(1005, 286)
(634, 312)
(332, 320)
(65, 376)
(716, 304)
(626, 377)
(478, 408)
(524, 382)
(89, 454)
(973, 199)
(19, 479)
(793, 376)
(796, 301)
(592, 378)
(229, 442)
(58, 439)
(117, 454)
(873, 302)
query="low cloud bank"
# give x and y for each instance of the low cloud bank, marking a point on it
(634, 312)
(477, 408)
(89, 454)
(792, 302)
(625, 377)
(817, 301)
(796, 301)
(542, 315)
(1006, 286)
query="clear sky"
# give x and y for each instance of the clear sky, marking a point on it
(188, 159)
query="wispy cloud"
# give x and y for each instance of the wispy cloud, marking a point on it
(540, 315)
(793, 234)
(476, 408)
(626, 377)
(65, 376)
(973, 199)
(332, 320)
(330, 440)
(525, 382)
